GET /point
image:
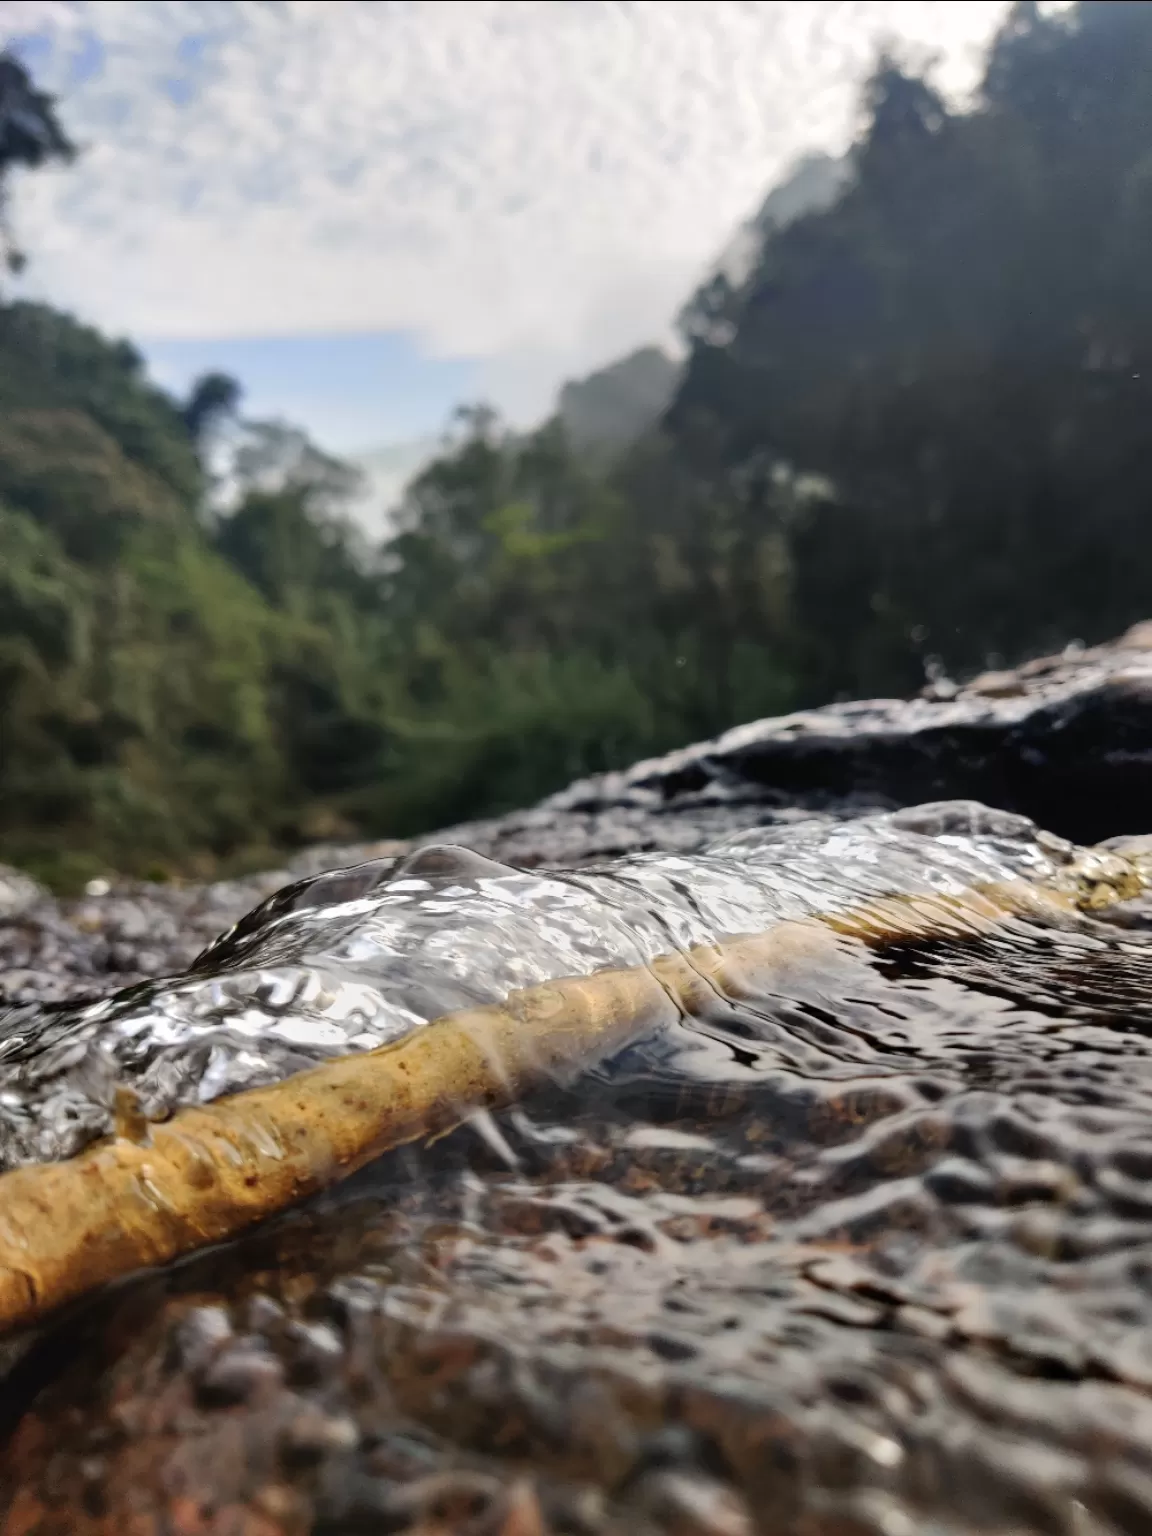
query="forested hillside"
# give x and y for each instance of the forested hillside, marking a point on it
(911, 434)
(145, 656)
(962, 347)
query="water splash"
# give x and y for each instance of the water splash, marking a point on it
(355, 959)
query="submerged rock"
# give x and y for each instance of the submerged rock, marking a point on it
(865, 1249)
(857, 1243)
(356, 959)
(18, 893)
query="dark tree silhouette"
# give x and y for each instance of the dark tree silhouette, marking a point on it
(213, 398)
(30, 136)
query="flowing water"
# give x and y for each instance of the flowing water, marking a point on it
(863, 1251)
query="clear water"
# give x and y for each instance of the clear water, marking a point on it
(358, 958)
(863, 1251)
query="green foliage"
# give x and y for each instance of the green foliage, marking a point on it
(961, 346)
(133, 698)
(917, 428)
(135, 662)
(49, 361)
(503, 730)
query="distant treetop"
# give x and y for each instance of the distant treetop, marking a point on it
(30, 136)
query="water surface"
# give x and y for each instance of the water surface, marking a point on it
(865, 1253)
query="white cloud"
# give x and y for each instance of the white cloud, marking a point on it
(533, 182)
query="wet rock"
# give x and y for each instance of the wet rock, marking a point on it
(863, 1252)
(236, 1375)
(18, 893)
(61, 951)
(312, 1435)
(199, 1337)
(690, 1505)
(1065, 740)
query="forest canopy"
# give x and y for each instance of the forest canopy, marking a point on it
(911, 436)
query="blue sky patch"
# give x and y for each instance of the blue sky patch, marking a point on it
(353, 391)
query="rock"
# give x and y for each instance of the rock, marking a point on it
(1065, 740)
(18, 893)
(864, 1251)
(57, 951)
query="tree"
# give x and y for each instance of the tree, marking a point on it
(960, 346)
(30, 136)
(213, 398)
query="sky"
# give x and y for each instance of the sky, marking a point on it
(372, 210)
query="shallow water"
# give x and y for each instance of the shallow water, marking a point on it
(357, 958)
(866, 1251)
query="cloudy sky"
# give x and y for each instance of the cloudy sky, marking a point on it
(371, 209)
